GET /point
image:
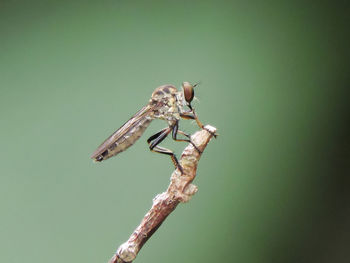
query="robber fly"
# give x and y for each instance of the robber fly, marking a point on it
(166, 103)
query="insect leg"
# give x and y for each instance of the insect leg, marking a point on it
(176, 131)
(191, 115)
(156, 139)
(154, 136)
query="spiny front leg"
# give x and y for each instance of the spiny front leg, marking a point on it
(156, 139)
(191, 115)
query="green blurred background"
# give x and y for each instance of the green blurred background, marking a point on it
(274, 186)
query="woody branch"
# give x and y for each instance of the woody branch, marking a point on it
(180, 190)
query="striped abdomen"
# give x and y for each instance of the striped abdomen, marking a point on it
(124, 141)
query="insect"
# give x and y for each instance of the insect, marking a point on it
(166, 103)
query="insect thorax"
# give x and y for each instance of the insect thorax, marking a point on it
(168, 107)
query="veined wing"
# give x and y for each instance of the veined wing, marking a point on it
(126, 135)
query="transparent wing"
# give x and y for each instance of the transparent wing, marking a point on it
(126, 135)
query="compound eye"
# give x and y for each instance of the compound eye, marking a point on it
(188, 91)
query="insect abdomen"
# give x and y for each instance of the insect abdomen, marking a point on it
(125, 141)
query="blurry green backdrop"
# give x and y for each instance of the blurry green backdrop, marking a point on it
(273, 187)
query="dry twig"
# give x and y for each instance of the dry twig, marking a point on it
(180, 190)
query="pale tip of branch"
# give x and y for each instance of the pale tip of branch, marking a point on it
(210, 129)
